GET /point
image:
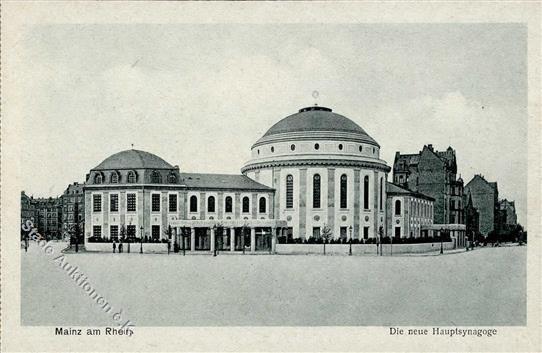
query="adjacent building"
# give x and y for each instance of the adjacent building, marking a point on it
(73, 208)
(28, 209)
(49, 217)
(433, 173)
(507, 218)
(410, 214)
(485, 196)
(472, 218)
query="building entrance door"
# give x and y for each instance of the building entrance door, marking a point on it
(203, 239)
(263, 239)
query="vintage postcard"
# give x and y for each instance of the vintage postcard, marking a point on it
(257, 176)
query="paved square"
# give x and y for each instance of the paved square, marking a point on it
(482, 287)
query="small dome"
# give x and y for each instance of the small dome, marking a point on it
(133, 159)
(317, 119)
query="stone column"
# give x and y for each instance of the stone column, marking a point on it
(192, 239)
(213, 239)
(273, 240)
(232, 239)
(252, 239)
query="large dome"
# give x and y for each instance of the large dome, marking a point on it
(133, 159)
(316, 119)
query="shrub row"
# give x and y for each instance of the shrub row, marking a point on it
(126, 240)
(385, 240)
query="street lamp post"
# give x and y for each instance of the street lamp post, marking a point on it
(441, 248)
(214, 240)
(350, 250)
(141, 241)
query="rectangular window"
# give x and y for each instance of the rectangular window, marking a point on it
(316, 232)
(155, 202)
(172, 203)
(343, 233)
(365, 232)
(114, 232)
(114, 203)
(97, 203)
(155, 231)
(97, 231)
(131, 203)
(131, 231)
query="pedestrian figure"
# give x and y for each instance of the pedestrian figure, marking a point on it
(120, 248)
(168, 246)
(114, 246)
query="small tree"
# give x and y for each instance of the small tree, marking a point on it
(327, 235)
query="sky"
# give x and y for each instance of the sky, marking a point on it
(200, 95)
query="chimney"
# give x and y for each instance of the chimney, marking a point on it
(430, 146)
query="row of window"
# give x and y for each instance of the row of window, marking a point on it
(172, 203)
(131, 178)
(343, 200)
(228, 204)
(423, 210)
(343, 231)
(340, 146)
(130, 232)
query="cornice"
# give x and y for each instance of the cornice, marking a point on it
(316, 162)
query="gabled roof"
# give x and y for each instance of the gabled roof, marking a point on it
(221, 181)
(394, 189)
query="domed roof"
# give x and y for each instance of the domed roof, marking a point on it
(133, 159)
(317, 119)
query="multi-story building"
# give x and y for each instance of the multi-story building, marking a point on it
(410, 214)
(472, 218)
(28, 209)
(49, 217)
(73, 208)
(434, 174)
(506, 219)
(326, 172)
(485, 196)
(311, 171)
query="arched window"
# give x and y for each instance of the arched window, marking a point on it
(398, 207)
(131, 177)
(228, 204)
(211, 204)
(289, 191)
(193, 203)
(246, 204)
(98, 179)
(381, 193)
(262, 205)
(366, 192)
(114, 178)
(171, 178)
(344, 190)
(316, 191)
(156, 178)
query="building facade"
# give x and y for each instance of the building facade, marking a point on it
(485, 196)
(49, 217)
(472, 218)
(28, 210)
(326, 172)
(136, 196)
(506, 218)
(410, 214)
(73, 208)
(433, 173)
